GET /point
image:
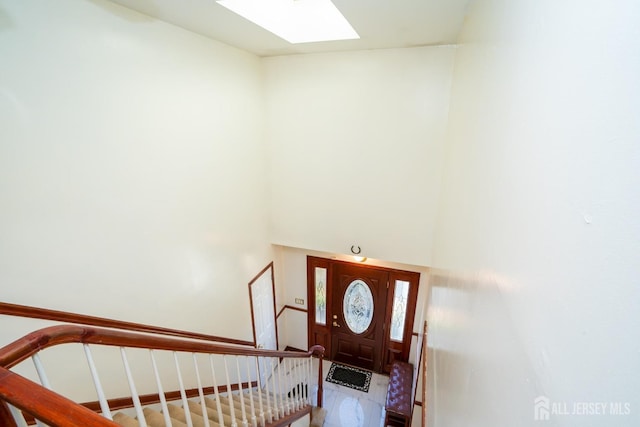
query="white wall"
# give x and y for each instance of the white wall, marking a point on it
(356, 143)
(539, 232)
(291, 283)
(131, 168)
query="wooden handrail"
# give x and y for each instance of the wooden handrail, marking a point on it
(57, 410)
(28, 345)
(34, 399)
(103, 322)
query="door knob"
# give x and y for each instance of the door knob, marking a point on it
(335, 316)
(336, 324)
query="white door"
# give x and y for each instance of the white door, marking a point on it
(264, 317)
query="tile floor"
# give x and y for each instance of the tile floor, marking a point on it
(347, 407)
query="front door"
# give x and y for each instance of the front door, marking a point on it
(362, 315)
(357, 315)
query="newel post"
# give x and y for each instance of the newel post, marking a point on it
(319, 351)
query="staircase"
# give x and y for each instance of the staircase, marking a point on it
(209, 385)
(214, 413)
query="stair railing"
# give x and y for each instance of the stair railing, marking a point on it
(253, 395)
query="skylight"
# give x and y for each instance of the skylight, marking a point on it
(296, 21)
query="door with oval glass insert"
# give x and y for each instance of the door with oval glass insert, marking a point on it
(358, 310)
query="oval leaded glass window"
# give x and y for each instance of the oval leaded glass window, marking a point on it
(358, 306)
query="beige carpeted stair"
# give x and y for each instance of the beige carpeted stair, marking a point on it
(178, 417)
(153, 419)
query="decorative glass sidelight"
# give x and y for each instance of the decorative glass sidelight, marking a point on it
(358, 306)
(399, 313)
(321, 295)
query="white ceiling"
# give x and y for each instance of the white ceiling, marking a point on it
(380, 24)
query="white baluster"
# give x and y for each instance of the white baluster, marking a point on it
(305, 374)
(281, 396)
(292, 379)
(132, 387)
(303, 381)
(309, 377)
(200, 392)
(298, 382)
(229, 394)
(289, 379)
(183, 394)
(104, 406)
(43, 378)
(313, 379)
(295, 392)
(250, 389)
(275, 390)
(41, 372)
(300, 373)
(18, 417)
(259, 392)
(245, 423)
(270, 415)
(163, 400)
(215, 392)
(294, 386)
(286, 384)
(284, 402)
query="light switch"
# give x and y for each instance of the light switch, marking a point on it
(300, 301)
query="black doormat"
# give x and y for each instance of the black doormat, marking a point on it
(348, 376)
